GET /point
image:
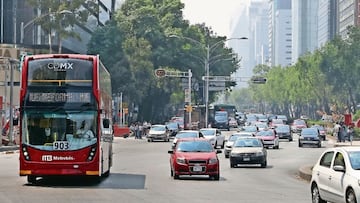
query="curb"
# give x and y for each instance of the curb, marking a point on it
(305, 172)
(9, 149)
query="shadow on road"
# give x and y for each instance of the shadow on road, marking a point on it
(114, 181)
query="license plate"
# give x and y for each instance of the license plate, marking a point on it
(197, 168)
(246, 158)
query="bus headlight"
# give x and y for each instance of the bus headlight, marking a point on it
(92, 153)
(25, 153)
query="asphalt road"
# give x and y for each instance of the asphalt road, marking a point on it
(141, 173)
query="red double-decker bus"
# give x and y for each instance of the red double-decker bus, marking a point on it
(65, 116)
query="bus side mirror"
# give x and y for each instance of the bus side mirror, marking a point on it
(106, 123)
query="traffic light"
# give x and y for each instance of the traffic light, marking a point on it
(258, 80)
(160, 73)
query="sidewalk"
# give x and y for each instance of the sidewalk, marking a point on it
(9, 149)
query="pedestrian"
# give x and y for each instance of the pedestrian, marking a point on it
(350, 133)
(137, 130)
(337, 131)
(343, 132)
(132, 129)
(141, 128)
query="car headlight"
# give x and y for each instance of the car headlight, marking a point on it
(213, 161)
(181, 160)
(259, 153)
(234, 154)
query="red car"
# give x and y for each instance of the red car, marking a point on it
(269, 138)
(194, 156)
(298, 125)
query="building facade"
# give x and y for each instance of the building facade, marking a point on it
(17, 26)
(280, 32)
(305, 27)
(348, 15)
(327, 21)
(19, 36)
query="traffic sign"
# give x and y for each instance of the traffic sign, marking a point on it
(160, 73)
(258, 80)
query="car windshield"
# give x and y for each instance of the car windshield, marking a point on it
(172, 125)
(299, 122)
(158, 128)
(187, 135)
(318, 127)
(247, 143)
(308, 132)
(194, 146)
(233, 137)
(282, 128)
(354, 157)
(277, 121)
(261, 125)
(265, 133)
(249, 128)
(208, 132)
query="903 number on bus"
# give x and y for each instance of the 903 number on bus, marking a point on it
(61, 145)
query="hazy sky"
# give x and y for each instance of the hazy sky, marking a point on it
(216, 14)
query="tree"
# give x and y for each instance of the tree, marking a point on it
(62, 15)
(137, 42)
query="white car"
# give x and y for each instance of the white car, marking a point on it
(336, 176)
(214, 136)
(184, 134)
(232, 139)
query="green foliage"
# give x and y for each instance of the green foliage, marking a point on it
(323, 81)
(136, 43)
(356, 116)
(57, 16)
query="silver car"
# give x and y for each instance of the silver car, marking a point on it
(232, 139)
(158, 132)
(214, 136)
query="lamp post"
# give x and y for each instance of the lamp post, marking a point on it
(23, 27)
(208, 49)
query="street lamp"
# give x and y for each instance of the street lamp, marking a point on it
(207, 59)
(23, 27)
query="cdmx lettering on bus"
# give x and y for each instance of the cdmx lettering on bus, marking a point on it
(60, 66)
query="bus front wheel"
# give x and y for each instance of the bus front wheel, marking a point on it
(31, 179)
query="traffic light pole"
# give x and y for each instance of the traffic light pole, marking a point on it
(178, 74)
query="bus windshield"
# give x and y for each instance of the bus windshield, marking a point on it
(61, 130)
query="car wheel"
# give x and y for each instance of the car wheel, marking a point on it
(226, 156)
(223, 145)
(217, 177)
(263, 165)
(319, 145)
(215, 145)
(176, 176)
(232, 165)
(350, 196)
(171, 172)
(290, 139)
(315, 195)
(300, 145)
